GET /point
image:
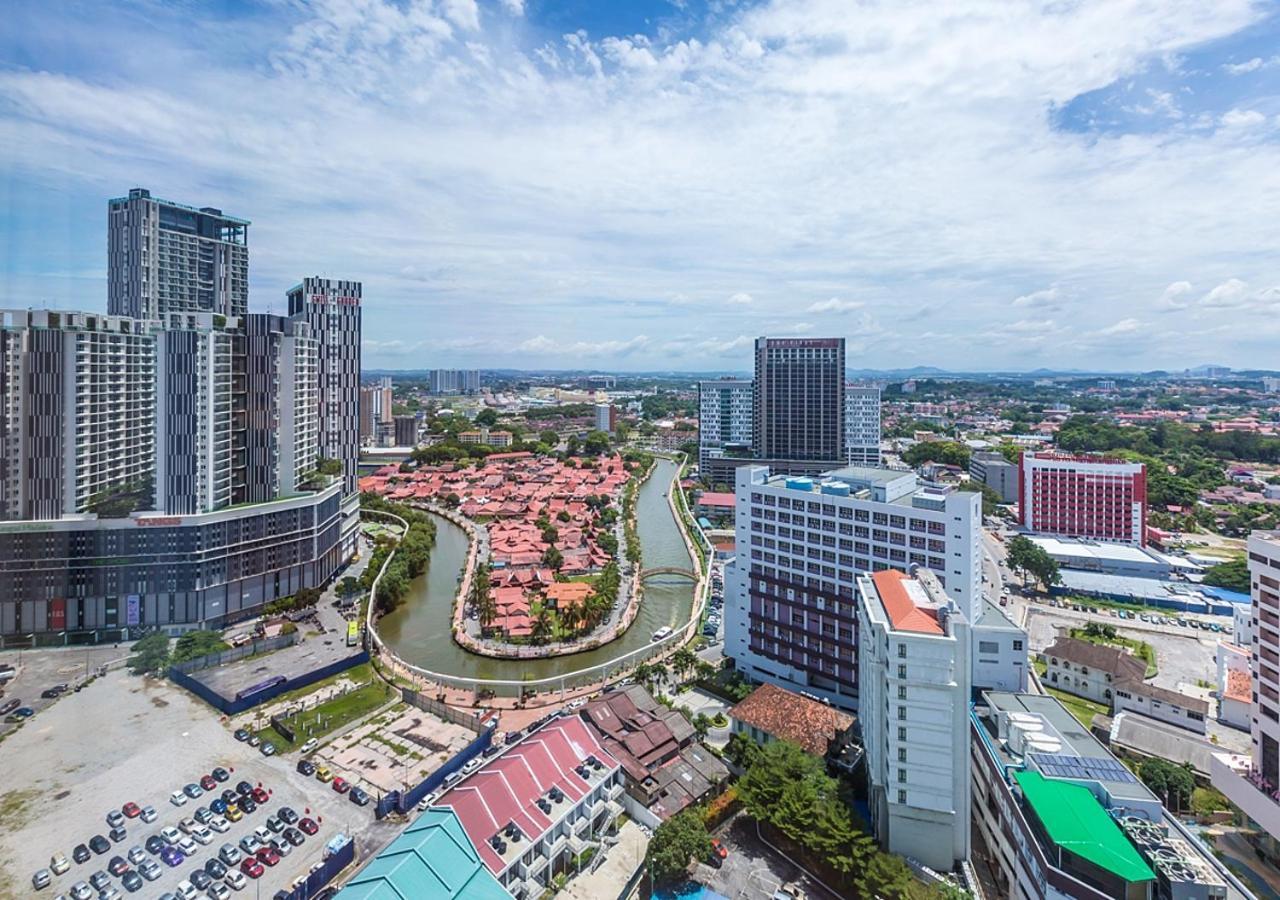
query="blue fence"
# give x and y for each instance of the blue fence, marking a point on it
(329, 869)
(396, 801)
(231, 706)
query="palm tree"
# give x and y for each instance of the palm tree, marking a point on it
(571, 617)
(541, 623)
(683, 661)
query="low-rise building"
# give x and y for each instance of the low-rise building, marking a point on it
(998, 657)
(1161, 704)
(666, 768)
(714, 505)
(913, 674)
(1235, 680)
(1055, 815)
(540, 804)
(773, 713)
(1090, 670)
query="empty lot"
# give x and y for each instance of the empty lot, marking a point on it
(128, 739)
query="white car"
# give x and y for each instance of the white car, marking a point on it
(263, 835)
(187, 825)
(308, 746)
(219, 824)
(177, 798)
(186, 890)
(202, 834)
(235, 880)
(170, 834)
(148, 814)
(187, 846)
(282, 847)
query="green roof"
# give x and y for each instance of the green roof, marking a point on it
(432, 859)
(1076, 821)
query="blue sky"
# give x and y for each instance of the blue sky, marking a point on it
(649, 185)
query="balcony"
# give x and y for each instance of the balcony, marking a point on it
(1244, 786)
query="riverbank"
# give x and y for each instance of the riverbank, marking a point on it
(607, 633)
(417, 650)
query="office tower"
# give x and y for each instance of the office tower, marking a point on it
(1271, 384)
(332, 311)
(1083, 496)
(802, 542)
(606, 417)
(375, 411)
(725, 416)
(990, 467)
(799, 399)
(862, 425)
(913, 686)
(165, 257)
(1251, 780)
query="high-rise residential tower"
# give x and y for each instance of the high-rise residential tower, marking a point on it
(331, 309)
(799, 399)
(724, 418)
(165, 257)
(862, 425)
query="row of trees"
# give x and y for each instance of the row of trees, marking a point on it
(1026, 557)
(151, 652)
(412, 552)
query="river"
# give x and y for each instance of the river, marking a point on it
(419, 631)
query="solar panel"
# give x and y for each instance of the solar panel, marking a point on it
(1099, 768)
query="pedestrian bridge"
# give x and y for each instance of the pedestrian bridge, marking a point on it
(668, 570)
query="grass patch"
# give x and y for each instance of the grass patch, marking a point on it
(332, 715)
(1082, 709)
(1041, 666)
(13, 805)
(1206, 801)
(357, 674)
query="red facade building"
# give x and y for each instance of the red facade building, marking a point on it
(1083, 496)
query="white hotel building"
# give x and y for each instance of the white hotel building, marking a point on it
(914, 684)
(862, 425)
(790, 608)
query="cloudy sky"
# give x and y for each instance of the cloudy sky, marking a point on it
(649, 184)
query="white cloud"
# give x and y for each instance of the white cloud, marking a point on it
(1252, 65)
(1044, 299)
(835, 305)
(515, 7)
(561, 197)
(1124, 326)
(1242, 118)
(1173, 295)
(1231, 292)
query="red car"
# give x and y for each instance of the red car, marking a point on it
(718, 849)
(268, 856)
(260, 796)
(131, 810)
(340, 785)
(208, 782)
(252, 868)
(308, 826)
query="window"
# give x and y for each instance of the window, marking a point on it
(988, 647)
(902, 796)
(902, 651)
(902, 713)
(902, 692)
(902, 776)
(1017, 645)
(902, 754)
(902, 733)
(902, 671)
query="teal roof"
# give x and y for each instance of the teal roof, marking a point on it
(432, 859)
(1076, 821)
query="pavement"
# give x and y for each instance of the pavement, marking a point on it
(125, 738)
(619, 862)
(753, 870)
(698, 701)
(38, 670)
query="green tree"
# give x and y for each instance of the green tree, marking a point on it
(553, 558)
(596, 443)
(487, 417)
(150, 653)
(549, 437)
(951, 453)
(1028, 557)
(481, 596)
(676, 842)
(742, 751)
(194, 644)
(1174, 784)
(701, 725)
(1233, 575)
(683, 661)
(541, 630)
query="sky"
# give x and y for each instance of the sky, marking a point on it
(650, 184)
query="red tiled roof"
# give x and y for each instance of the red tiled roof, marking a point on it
(791, 717)
(506, 789)
(902, 610)
(715, 498)
(1239, 686)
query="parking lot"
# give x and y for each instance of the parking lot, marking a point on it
(40, 670)
(125, 739)
(752, 869)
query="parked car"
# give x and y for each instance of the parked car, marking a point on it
(306, 767)
(170, 834)
(99, 845)
(252, 868)
(150, 869)
(200, 879)
(308, 746)
(136, 855)
(236, 880)
(218, 891)
(131, 881)
(58, 864)
(155, 844)
(359, 797)
(115, 819)
(193, 790)
(117, 834)
(229, 854)
(287, 815)
(219, 824)
(208, 782)
(340, 785)
(268, 749)
(241, 735)
(294, 836)
(178, 798)
(215, 867)
(172, 857)
(248, 805)
(41, 879)
(148, 814)
(307, 826)
(131, 810)
(220, 774)
(260, 796)
(80, 853)
(118, 866)
(268, 856)
(323, 773)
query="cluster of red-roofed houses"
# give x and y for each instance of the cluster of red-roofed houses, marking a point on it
(510, 493)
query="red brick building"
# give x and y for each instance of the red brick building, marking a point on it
(1083, 496)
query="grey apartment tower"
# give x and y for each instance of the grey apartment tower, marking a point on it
(165, 257)
(799, 404)
(162, 470)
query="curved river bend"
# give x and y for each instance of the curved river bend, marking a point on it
(418, 632)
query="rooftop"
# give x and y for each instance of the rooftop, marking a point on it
(1122, 664)
(430, 858)
(1075, 820)
(790, 717)
(907, 602)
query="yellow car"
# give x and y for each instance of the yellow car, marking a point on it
(323, 774)
(233, 813)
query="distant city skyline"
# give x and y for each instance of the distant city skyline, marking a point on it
(650, 186)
